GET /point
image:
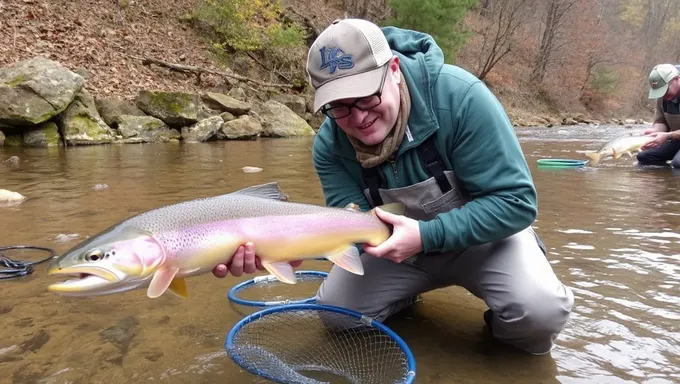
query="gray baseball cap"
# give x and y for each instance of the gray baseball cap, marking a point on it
(659, 78)
(347, 60)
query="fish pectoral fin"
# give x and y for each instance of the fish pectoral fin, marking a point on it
(161, 281)
(348, 259)
(282, 270)
(630, 154)
(178, 286)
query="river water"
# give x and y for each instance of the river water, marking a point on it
(612, 232)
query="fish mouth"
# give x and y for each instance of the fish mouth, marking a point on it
(84, 278)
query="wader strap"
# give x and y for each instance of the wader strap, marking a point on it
(373, 181)
(433, 164)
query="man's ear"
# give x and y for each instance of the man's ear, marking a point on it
(394, 68)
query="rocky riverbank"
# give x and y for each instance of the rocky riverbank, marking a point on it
(44, 104)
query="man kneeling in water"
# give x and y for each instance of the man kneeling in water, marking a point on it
(403, 126)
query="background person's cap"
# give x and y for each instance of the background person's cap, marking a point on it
(347, 60)
(659, 78)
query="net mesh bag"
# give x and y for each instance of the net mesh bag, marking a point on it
(312, 344)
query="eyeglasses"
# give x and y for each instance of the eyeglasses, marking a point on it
(336, 110)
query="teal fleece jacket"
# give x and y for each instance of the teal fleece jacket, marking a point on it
(474, 137)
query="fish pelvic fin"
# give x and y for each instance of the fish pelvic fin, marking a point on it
(282, 270)
(161, 281)
(266, 191)
(617, 155)
(594, 157)
(348, 259)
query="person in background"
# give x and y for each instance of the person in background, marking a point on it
(403, 126)
(664, 86)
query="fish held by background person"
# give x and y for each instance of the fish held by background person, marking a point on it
(159, 248)
(626, 144)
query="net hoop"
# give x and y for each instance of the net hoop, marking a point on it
(229, 342)
(252, 303)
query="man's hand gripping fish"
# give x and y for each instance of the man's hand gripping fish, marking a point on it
(159, 248)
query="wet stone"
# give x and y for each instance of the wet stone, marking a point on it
(35, 342)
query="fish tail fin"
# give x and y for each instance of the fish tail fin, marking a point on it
(594, 157)
(348, 259)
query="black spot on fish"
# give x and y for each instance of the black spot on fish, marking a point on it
(35, 343)
(164, 320)
(24, 323)
(5, 309)
(121, 334)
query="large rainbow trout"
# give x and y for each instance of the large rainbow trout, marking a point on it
(159, 248)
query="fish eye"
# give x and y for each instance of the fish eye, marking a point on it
(94, 255)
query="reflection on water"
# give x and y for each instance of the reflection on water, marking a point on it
(611, 232)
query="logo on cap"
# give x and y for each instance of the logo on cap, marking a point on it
(335, 58)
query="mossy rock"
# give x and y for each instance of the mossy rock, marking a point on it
(33, 91)
(176, 109)
(45, 135)
(13, 140)
(82, 125)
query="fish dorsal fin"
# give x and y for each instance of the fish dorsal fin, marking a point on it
(266, 191)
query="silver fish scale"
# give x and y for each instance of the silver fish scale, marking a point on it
(166, 222)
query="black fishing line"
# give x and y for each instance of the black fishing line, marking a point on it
(12, 268)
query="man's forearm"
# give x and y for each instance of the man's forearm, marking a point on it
(659, 127)
(674, 135)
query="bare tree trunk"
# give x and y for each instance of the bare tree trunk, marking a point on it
(557, 9)
(506, 16)
(658, 13)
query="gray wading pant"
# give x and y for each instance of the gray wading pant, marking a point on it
(530, 305)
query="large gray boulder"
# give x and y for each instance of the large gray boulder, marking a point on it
(225, 103)
(281, 121)
(204, 130)
(176, 109)
(243, 128)
(145, 129)
(33, 91)
(111, 108)
(81, 123)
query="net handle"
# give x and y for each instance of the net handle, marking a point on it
(257, 279)
(369, 321)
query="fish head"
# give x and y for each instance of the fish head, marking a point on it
(117, 260)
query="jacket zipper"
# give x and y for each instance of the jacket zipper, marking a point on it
(394, 169)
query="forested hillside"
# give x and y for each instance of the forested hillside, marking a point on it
(543, 58)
